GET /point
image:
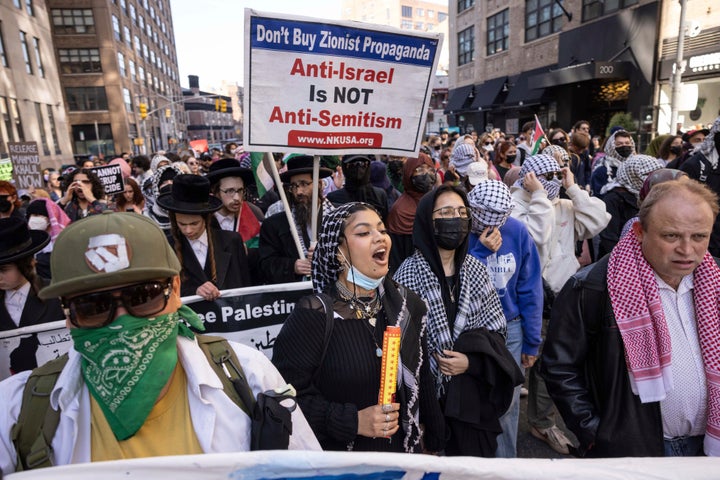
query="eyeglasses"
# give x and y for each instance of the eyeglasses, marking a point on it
(97, 309)
(449, 212)
(231, 192)
(424, 169)
(301, 184)
(551, 175)
(488, 143)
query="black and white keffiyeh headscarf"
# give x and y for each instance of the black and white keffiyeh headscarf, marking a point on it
(632, 172)
(490, 205)
(557, 151)
(540, 165)
(325, 272)
(709, 147)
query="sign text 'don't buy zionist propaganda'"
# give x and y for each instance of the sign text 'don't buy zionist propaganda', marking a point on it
(335, 87)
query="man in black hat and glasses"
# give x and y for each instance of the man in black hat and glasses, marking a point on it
(212, 259)
(279, 258)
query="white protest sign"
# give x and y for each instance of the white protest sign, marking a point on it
(335, 87)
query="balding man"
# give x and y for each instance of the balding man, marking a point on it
(633, 348)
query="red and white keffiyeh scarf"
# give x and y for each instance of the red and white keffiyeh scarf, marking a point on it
(636, 303)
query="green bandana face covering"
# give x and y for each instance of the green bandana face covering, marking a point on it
(127, 363)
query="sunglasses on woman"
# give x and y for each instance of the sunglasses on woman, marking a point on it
(97, 309)
(550, 175)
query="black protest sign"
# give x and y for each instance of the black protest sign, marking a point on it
(111, 178)
(26, 164)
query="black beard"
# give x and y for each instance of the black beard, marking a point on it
(302, 211)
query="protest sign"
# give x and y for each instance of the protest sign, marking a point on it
(111, 178)
(252, 316)
(26, 164)
(335, 87)
(6, 169)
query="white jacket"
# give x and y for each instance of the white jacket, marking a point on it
(220, 425)
(555, 225)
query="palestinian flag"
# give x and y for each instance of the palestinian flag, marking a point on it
(537, 137)
(263, 177)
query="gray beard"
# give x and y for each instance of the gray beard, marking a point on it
(303, 212)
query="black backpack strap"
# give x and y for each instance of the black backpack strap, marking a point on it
(37, 422)
(235, 385)
(329, 325)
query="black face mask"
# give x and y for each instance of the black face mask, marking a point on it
(355, 172)
(395, 167)
(676, 150)
(423, 183)
(510, 158)
(624, 151)
(450, 233)
(5, 204)
(561, 142)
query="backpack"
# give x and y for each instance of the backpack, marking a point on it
(271, 422)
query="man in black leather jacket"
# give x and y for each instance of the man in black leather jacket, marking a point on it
(590, 355)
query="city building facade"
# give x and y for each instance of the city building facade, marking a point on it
(31, 101)
(209, 115)
(562, 60)
(115, 56)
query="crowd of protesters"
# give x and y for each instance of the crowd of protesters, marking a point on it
(479, 245)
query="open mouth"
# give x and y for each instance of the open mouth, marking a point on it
(380, 255)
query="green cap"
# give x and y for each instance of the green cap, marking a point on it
(102, 251)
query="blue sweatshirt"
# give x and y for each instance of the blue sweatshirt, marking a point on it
(515, 273)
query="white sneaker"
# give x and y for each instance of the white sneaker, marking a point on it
(554, 437)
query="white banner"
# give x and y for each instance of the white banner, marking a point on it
(378, 466)
(317, 86)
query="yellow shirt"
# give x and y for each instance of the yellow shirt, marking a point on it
(168, 429)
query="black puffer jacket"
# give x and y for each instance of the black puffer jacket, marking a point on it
(583, 364)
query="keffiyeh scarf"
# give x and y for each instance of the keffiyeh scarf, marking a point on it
(636, 303)
(540, 165)
(490, 205)
(632, 173)
(708, 147)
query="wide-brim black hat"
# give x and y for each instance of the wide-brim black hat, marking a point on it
(299, 164)
(18, 241)
(190, 194)
(229, 167)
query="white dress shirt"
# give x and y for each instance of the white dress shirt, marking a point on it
(15, 302)
(226, 223)
(200, 247)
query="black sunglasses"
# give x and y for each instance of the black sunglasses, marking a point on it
(97, 309)
(550, 175)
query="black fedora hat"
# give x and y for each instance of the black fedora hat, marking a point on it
(18, 241)
(298, 164)
(229, 167)
(189, 194)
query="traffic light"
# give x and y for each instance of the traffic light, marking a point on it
(143, 111)
(217, 104)
(223, 106)
(168, 113)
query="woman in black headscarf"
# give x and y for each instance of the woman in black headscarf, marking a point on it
(334, 361)
(466, 324)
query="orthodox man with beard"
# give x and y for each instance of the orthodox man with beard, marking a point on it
(279, 259)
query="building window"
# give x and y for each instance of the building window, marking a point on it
(7, 119)
(138, 47)
(26, 52)
(420, 12)
(406, 11)
(53, 130)
(15, 111)
(121, 64)
(406, 25)
(81, 99)
(146, 53)
(464, 5)
(466, 46)
(141, 22)
(542, 17)
(597, 8)
(127, 98)
(152, 57)
(3, 57)
(79, 60)
(419, 25)
(116, 27)
(70, 22)
(141, 74)
(29, 8)
(127, 35)
(17, 3)
(123, 6)
(133, 13)
(442, 16)
(41, 128)
(431, 13)
(133, 74)
(38, 57)
(498, 32)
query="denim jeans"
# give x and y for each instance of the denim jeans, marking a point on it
(507, 440)
(685, 446)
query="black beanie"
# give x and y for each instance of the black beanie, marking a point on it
(36, 207)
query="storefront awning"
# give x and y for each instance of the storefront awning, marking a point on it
(523, 92)
(486, 93)
(457, 99)
(581, 73)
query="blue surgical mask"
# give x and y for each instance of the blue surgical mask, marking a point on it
(358, 278)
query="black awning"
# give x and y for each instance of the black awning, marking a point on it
(523, 92)
(581, 73)
(457, 99)
(486, 93)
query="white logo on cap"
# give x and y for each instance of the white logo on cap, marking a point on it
(107, 253)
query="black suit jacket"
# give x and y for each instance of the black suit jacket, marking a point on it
(231, 265)
(277, 252)
(35, 312)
